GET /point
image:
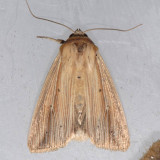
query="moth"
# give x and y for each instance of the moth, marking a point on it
(153, 153)
(78, 100)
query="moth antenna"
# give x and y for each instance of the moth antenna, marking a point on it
(113, 29)
(47, 19)
(53, 39)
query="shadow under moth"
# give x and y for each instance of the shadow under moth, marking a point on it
(78, 100)
(153, 153)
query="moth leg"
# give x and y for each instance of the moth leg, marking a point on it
(53, 39)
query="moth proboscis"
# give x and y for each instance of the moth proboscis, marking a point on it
(78, 99)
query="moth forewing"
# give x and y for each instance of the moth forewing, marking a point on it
(117, 130)
(44, 112)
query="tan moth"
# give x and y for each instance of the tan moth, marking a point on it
(78, 99)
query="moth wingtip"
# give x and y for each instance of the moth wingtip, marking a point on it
(44, 148)
(112, 147)
(30, 148)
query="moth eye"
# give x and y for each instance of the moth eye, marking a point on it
(100, 90)
(58, 90)
(78, 77)
(96, 55)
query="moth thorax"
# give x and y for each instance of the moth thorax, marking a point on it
(80, 46)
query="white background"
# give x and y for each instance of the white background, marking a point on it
(133, 59)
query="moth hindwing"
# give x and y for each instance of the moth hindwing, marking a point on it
(78, 101)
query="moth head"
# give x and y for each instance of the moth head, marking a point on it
(78, 33)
